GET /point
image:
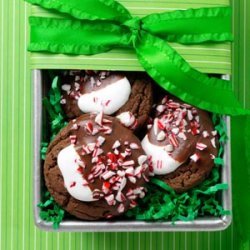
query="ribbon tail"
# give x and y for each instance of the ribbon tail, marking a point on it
(247, 151)
(241, 179)
(192, 26)
(87, 9)
(75, 37)
(176, 76)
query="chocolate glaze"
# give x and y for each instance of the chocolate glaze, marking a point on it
(54, 180)
(83, 83)
(89, 87)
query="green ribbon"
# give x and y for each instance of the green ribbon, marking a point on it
(97, 26)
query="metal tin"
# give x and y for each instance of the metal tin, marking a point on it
(200, 224)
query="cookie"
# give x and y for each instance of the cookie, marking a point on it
(181, 144)
(95, 168)
(110, 92)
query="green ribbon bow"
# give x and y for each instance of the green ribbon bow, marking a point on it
(98, 26)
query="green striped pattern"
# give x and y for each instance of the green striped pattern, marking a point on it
(241, 51)
(213, 59)
(17, 230)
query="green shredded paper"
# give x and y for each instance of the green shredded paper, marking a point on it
(161, 201)
(51, 211)
(56, 118)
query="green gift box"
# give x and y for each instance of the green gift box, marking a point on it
(49, 34)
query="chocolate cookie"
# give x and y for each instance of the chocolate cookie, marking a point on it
(110, 92)
(181, 144)
(96, 168)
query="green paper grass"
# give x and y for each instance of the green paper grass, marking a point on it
(51, 211)
(55, 114)
(163, 203)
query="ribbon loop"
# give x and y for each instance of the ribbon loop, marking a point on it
(108, 10)
(192, 26)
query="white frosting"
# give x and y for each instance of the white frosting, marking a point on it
(109, 99)
(161, 161)
(67, 161)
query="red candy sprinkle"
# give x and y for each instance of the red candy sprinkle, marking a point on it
(98, 83)
(109, 216)
(100, 140)
(90, 177)
(107, 175)
(110, 200)
(164, 100)
(155, 126)
(161, 125)
(173, 140)
(213, 142)
(134, 125)
(85, 183)
(72, 184)
(142, 159)
(63, 101)
(95, 99)
(128, 163)
(107, 102)
(120, 197)
(75, 126)
(134, 146)
(201, 146)
(173, 105)
(89, 127)
(194, 131)
(106, 121)
(106, 184)
(205, 134)
(190, 115)
(195, 157)
(159, 164)
(132, 179)
(214, 133)
(80, 170)
(185, 105)
(112, 157)
(182, 136)
(160, 108)
(99, 118)
(116, 144)
(138, 171)
(145, 177)
(97, 152)
(130, 192)
(212, 156)
(121, 208)
(133, 204)
(72, 139)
